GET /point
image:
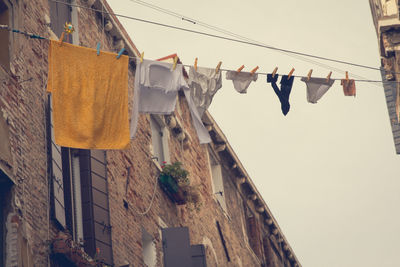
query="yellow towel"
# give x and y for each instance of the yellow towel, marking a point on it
(90, 97)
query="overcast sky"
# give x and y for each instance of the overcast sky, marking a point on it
(327, 171)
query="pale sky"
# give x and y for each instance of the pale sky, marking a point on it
(327, 171)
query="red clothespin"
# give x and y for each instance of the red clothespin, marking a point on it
(254, 70)
(240, 69)
(347, 76)
(195, 64)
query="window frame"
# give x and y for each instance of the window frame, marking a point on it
(5, 66)
(217, 180)
(157, 121)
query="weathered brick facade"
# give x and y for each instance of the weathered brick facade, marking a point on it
(245, 234)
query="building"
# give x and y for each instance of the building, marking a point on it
(57, 202)
(385, 14)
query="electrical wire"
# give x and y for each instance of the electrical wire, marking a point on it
(224, 38)
(220, 30)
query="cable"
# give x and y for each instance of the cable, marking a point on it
(151, 201)
(186, 65)
(224, 38)
(215, 28)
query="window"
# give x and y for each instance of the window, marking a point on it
(80, 195)
(217, 180)
(159, 138)
(72, 193)
(5, 187)
(78, 178)
(59, 14)
(149, 251)
(253, 231)
(4, 36)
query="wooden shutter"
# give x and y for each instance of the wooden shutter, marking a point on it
(95, 206)
(176, 246)
(198, 256)
(55, 171)
(254, 235)
(59, 14)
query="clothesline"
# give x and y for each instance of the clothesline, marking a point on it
(222, 37)
(35, 36)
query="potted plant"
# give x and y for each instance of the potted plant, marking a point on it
(175, 183)
(172, 178)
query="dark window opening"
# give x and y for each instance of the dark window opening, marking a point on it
(5, 187)
(4, 37)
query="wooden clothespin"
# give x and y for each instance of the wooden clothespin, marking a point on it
(347, 76)
(290, 73)
(175, 62)
(328, 77)
(274, 72)
(309, 75)
(254, 70)
(218, 67)
(141, 57)
(120, 52)
(195, 63)
(98, 48)
(240, 69)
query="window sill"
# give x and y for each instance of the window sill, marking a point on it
(155, 162)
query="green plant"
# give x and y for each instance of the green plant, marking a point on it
(175, 170)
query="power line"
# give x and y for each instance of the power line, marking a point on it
(223, 38)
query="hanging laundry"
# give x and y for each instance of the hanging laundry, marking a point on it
(90, 97)
(316, 88)
(203, 83)
(241, 80)
(349, 87)
(284, 93)
(156, 91)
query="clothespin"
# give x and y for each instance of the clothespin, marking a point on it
(328, 77)
(141, 57)
(68, 29)
(347, 76)
(254, 70)
(120, 52)
(274, 72)
(195, 63)
(240, 69)
(218, 67)
(290, 74)
(175, 62)
(309, 75)
(98, 48)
